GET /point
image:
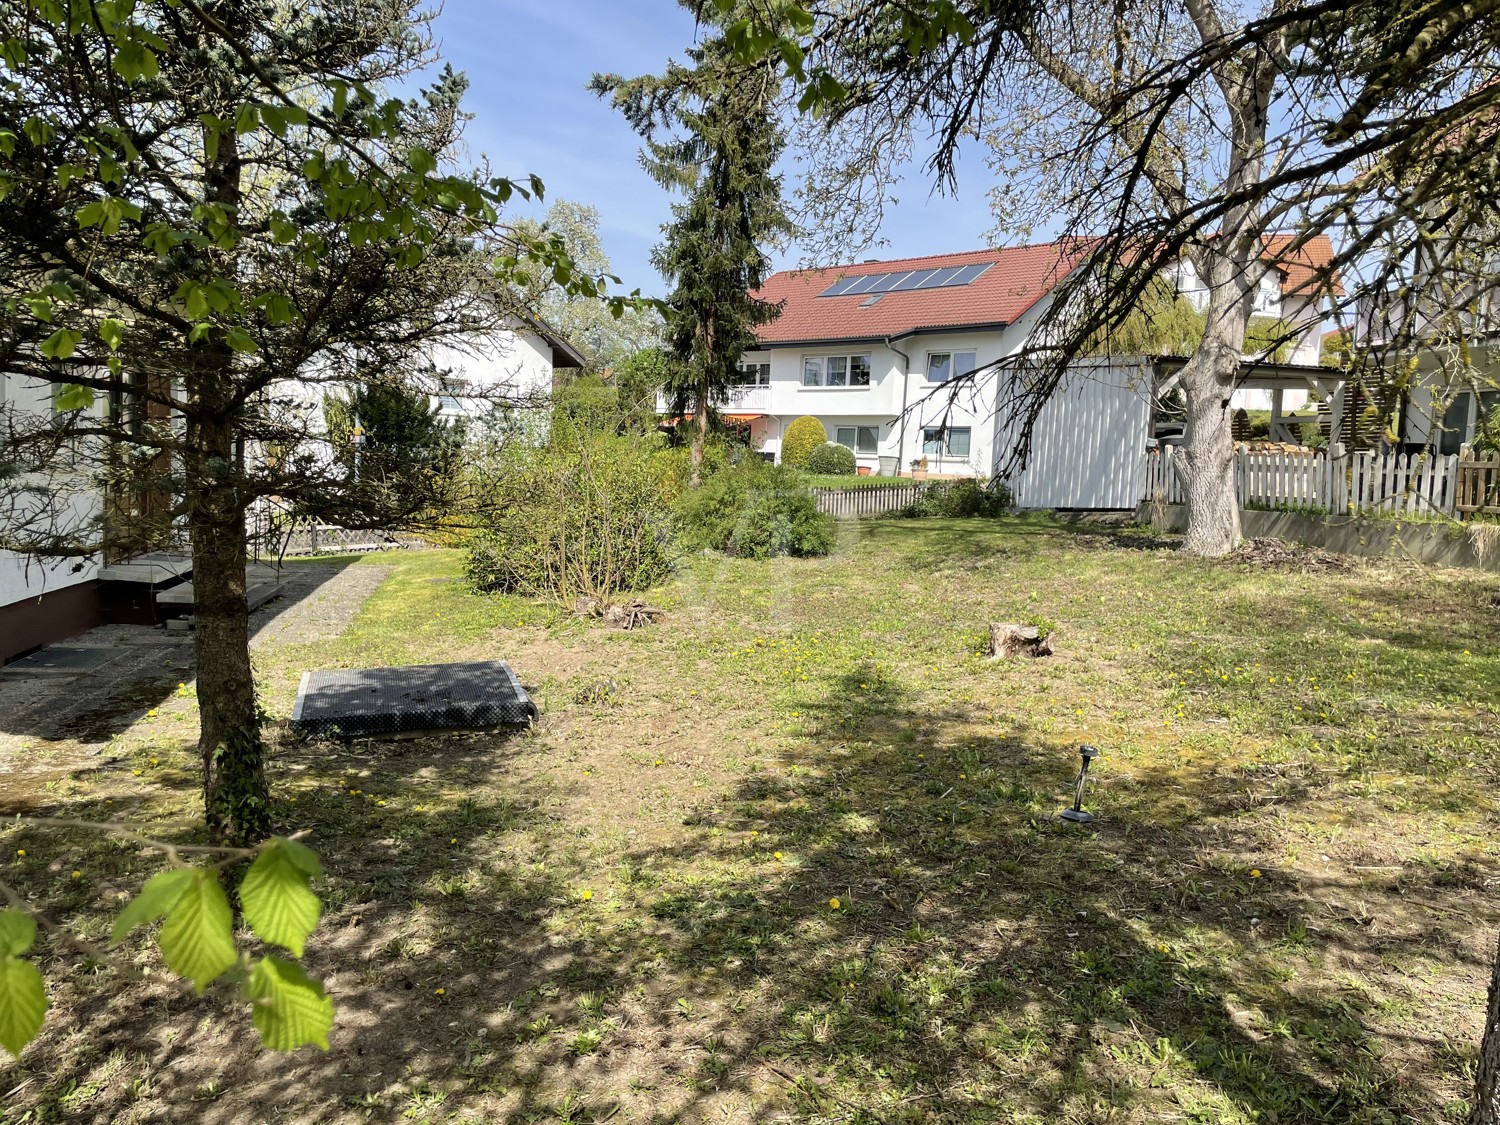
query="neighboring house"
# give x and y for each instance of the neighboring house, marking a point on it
(1293, 291)
(1449, 378)
(869, 349)
(517, 367)
(43, 600)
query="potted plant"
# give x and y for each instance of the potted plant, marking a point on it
(863, 470)
(919, 469)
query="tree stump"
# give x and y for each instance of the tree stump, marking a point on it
(1008, 639)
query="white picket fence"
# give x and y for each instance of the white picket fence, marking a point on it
(873, 500)
(1340, 482)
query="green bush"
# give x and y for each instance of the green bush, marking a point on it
(588, 512)
(960, 499)
(804, 435)
(754, 510)
(832, 460)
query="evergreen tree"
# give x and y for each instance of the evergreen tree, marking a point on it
(711, 133)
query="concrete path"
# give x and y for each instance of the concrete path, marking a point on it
(100, 682)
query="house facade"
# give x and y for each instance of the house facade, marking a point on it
(515, 367)
(872, 350)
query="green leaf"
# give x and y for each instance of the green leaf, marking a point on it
(279, 906)
(74, 397)
(291, 1009)
(61, 344)
(241, 341)
(197, 940)
(158, 896)
(111, 331)
(17, 932)
(132, 61)
(23, 1003)
(422, 162)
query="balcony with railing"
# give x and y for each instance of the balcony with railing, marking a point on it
(749, 399)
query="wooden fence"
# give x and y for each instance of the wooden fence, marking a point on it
(873, 500)
(1346, 483)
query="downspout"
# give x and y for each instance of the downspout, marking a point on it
(905, 387)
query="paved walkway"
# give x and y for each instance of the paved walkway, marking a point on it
(97, 684)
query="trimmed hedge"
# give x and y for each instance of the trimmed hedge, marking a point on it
(804, 435)
(832, 460)
(755, 511)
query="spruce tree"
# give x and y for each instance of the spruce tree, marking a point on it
(711, 132)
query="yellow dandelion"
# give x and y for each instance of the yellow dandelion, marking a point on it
(155, 761)
(586, 895)
(835, 903)
(78, 874)
(21, 852)
(380, 803)
(453, 840)
(1162, 948)
(1255, 873)
(777, 854)
(440, 991)
(151, 714)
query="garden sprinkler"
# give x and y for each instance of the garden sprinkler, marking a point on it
(1076, 813)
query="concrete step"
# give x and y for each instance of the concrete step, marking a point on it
(257, 593)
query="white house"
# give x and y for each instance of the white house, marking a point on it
(517, 367)
(869, 349)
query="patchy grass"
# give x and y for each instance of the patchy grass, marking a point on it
(792, 853)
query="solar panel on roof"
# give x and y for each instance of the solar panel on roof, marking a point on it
(917, 279)
(906, 281)
(865, 283)
(839, 287)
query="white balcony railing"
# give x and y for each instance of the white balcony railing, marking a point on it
(741, 400)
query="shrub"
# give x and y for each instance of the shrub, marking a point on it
(754, 510)
(960, 499)
(584, 513)
(831, 460)
(804, 435)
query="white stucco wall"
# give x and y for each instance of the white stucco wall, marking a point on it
(513, 368)
(24, 576)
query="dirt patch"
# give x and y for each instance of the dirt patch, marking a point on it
(1278, 554)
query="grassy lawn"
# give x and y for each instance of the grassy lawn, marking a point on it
(792, 854)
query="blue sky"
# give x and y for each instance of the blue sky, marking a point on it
(528, 62)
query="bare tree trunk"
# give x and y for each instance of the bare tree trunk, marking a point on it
(236, 796)
(700, 438)
(1486, 1108)
(1207, 455)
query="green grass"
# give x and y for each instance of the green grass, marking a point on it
(1282, 914)
(853, 480)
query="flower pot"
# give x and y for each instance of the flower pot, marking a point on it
(863, 470)
(919, 474)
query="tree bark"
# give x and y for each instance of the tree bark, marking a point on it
(1207, 455)
(236, 796)
(700, 439)
(1486, 1108)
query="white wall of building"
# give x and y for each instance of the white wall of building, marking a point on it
(22, 576)
(513, 368)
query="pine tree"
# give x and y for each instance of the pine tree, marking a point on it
(721, 154)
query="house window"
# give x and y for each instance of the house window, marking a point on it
(836, 370)
(950, 441)
(861, 439)
(942, 366)
(752, 375)
(454, 392)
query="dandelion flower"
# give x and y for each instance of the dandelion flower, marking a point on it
(1255, 873)
(835, 903)
(155, 761)
(151, 714)
(453, 840)
(777, 854)
(78, 874)
(440, 991)
(21, 852)
(380, 803)
(586, 895)
(1162, 948)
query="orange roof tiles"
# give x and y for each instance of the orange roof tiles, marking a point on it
(1017, 279)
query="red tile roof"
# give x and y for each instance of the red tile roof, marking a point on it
(1307, 267)
(1016, 280)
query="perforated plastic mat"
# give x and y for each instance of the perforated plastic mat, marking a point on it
(422, 697)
